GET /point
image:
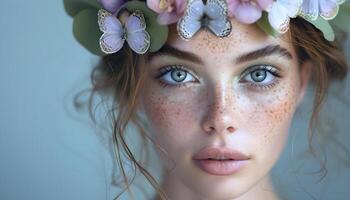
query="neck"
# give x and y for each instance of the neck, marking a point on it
(175, 189)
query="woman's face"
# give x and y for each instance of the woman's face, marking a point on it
(238, 92)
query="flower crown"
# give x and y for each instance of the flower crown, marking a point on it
(104, 26)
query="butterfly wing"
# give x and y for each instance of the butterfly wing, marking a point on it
(112, 39)
(190, 23)
(108, 23)
(137, 37)
(219, 24)
(111, 43)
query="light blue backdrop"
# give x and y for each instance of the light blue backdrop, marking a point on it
(49, 152)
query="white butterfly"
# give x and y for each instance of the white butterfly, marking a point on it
(115, 34)
(212, 15)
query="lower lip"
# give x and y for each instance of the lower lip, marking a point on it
(221, 168)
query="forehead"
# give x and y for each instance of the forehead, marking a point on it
(243, 38)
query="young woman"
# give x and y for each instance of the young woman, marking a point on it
(217, 109)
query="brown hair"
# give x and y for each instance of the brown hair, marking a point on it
(123, 74)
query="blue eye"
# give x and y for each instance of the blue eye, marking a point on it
(261, 76)
(175, 75)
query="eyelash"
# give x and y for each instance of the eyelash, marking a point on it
(267, 68)
(164, 70)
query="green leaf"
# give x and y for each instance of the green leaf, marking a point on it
(343, 18)
(158, 33)
(86, 30)
(264, 24)
(324, 26)
(73, 7)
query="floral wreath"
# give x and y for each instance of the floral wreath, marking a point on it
(104, 26)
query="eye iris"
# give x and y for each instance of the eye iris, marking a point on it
(178, 75)
(258, 75)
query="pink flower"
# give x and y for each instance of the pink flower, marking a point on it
(112, 6)
(247, 11)
(170, 11)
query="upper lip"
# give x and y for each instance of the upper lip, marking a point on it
(220, 153)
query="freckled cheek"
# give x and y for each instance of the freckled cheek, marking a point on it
(170, 119)
(172, 125)
(272, 117)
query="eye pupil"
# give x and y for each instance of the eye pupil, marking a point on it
(178, 75)
(258, 75)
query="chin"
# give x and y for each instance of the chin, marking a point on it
(221, 191)
(211, 187)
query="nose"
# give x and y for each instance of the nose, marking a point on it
(221, 116)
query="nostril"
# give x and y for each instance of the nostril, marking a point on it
(230, 129)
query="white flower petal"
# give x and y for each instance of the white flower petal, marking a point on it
(310, 9)
(293, 6)
(328, 9)
(339, 1)
(278, 17)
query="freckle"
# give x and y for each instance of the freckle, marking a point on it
(207, 40)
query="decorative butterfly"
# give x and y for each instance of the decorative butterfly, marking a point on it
(115, 34)
(212, 15)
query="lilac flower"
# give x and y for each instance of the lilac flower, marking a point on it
(170, 11)
(247, 11)
(112, 6)
(327, 9)
(280, 13)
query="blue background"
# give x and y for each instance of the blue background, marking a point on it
(49, 151)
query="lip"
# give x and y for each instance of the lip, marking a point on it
(220, 161)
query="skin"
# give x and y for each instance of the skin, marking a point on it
(218, 106)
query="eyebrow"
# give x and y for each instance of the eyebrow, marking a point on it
(172, 51)
(263, 52)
